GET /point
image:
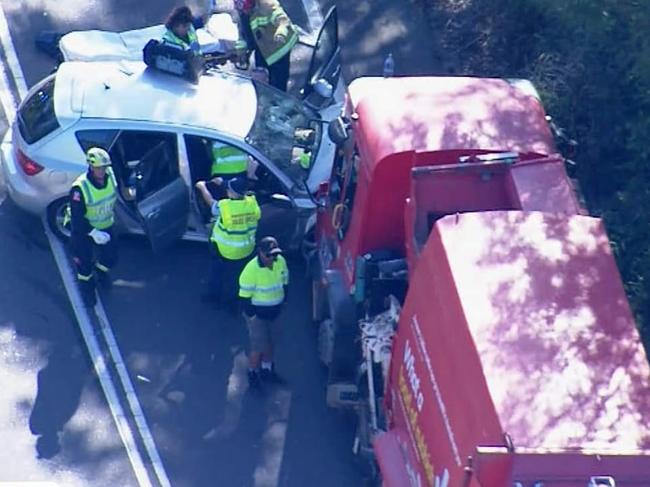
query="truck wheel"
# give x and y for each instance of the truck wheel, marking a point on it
(55, 219)
(364, 456)
(318, 301)
(308, 245)
(326, 342)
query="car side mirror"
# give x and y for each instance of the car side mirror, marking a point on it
(338, 131)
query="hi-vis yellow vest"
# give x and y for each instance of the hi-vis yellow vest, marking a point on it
(264, 286)
(100, 203)
(193, 44)
(234, 231)
(227, 159)
(267, 19)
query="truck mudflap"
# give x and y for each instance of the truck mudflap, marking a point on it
(392, 464)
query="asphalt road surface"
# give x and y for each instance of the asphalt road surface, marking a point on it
(184, 360)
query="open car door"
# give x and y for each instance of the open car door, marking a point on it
(325, 67)
(165, 210)
(279, 219)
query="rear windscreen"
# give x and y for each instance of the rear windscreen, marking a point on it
(36, 117)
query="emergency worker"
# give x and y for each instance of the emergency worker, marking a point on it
(263, 289)
(232, 240)
(265, 26)
(180, 30)
(228, 162)
(92, 203)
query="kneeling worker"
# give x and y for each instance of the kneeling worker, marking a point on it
(263, 289)
(92, 203)
(233, 238)
(180, 30)
(228, 162)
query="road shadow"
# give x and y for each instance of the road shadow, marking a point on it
(54, 405)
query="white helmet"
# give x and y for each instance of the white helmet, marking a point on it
(98, 157)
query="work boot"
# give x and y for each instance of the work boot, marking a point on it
(87, 291)
(104, 279)
(254, 381)
(89, 297)
(271, 377)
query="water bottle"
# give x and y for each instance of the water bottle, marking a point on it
(389, 66)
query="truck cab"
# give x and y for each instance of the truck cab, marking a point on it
(470, 312)
(459, 143)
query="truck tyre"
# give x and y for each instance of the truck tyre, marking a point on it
(326, 342)
(308, 246)
(363, 453)
(318, 301)
(55, 218)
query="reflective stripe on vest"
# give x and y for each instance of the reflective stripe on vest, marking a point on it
(266, 23)
(283, 49)
(99, 202)
(227, 159)
(234, 232)
(264, 286)
(174, 40)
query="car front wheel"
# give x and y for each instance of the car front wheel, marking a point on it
(56, 219)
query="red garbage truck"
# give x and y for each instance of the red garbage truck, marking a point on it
(470, 312)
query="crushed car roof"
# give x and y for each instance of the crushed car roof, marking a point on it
(131, 91)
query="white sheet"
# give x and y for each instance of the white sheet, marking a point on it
(219, 35)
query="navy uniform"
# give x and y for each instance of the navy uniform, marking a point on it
(92, 202)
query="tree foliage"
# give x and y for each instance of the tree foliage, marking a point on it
(590, 60)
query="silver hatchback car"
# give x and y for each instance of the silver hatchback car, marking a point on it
(159, 131)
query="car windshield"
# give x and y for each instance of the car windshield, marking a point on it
(280, 117)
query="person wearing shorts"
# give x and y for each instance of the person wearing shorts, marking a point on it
(263, 289)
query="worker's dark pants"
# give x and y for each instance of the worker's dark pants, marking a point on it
(84, 251)
(223, 279)
(278, 71)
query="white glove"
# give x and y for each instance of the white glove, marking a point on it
(100, 238)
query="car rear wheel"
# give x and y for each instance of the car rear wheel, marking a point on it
(56, 219)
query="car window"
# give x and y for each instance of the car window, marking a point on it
(144, 162)
(325, 46)
(199, 155)
(96, 138)
(36, 116)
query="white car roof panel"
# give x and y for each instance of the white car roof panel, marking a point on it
(130, 91)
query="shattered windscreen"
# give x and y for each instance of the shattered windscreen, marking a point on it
(273, 133)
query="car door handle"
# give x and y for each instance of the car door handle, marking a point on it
(152, 214)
